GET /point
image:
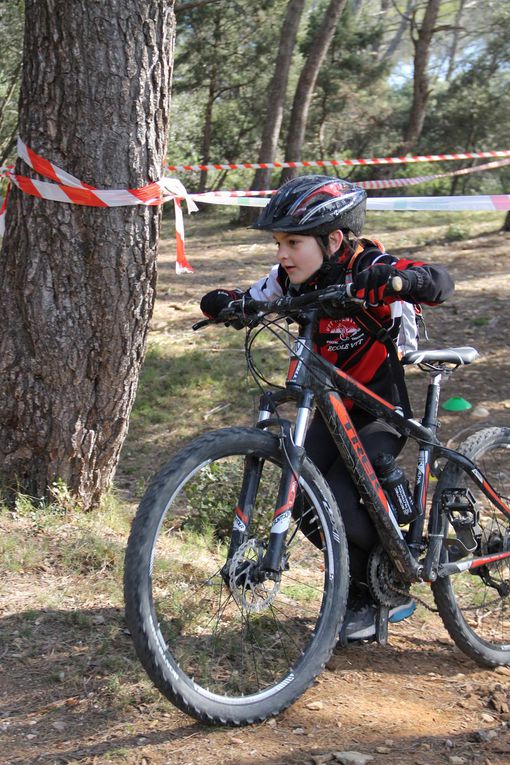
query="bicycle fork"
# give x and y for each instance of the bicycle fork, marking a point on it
(293, 453)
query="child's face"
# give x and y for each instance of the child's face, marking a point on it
(299, 255)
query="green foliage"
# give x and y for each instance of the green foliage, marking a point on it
(212, 497)
(11, 27)
(456, 233)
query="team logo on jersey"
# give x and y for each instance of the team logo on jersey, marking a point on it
(344, 328)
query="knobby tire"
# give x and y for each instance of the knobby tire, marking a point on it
(475, 614)
(225, 659)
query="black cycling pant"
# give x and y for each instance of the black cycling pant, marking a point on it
(377, 437)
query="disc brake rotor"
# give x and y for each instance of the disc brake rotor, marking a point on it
(249, 592)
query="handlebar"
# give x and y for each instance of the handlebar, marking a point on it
(246, 311)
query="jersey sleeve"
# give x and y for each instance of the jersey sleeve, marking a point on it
(269, 287)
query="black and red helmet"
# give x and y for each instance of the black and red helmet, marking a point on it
(315, 205)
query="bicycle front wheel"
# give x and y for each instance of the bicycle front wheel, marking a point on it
(475, 604)
(221, 647)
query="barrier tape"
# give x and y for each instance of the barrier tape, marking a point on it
(411, 158)
(493, 202)
(489, 203)
(382, 184)
(64, 187)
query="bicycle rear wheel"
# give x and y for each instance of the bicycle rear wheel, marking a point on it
(221, 647)
(475, 605)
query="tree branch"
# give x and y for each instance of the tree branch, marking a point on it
(193, 4)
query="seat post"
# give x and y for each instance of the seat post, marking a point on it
(432, 403)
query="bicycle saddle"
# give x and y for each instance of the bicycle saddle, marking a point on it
(464, 355)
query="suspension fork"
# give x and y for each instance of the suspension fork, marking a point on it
(293, 458)
(291, 442)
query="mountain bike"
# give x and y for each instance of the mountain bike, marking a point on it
(233, 625)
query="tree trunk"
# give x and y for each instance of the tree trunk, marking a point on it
(455, 41)
(397, 37)
(506, 223)
(77, 283)
(422, 38)
(306, 85)
(208, 114)
(275, 103)
(421, 91)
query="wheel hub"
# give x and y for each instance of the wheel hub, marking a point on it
(250, 588)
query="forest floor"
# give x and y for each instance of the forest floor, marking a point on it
(71, 688)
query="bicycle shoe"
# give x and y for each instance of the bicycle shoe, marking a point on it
(360, 615)
(403, 611)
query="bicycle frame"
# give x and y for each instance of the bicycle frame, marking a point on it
(312, 379)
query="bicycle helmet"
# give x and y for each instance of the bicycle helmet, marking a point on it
(315, 205)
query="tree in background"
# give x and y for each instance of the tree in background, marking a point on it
(421, 34)
(317, 51)
(223, 57)
(350, 107)
(275, 102)
(77, 283)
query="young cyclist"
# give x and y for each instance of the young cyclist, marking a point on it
(316, 222)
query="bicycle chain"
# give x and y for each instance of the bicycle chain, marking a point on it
(433, 610)
(380, 582)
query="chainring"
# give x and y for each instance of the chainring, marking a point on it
(250, 593)
(385, 584)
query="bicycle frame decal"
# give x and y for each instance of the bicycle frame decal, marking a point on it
(455, 568)
(240, 520)
(422, 479)
(281, 517)
(365, 390)
(341, 413)
(296, 366)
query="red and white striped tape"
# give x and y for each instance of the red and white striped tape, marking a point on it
(345, 162)
(64, 187)
(390, 183)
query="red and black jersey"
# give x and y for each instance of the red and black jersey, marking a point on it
(342, 341)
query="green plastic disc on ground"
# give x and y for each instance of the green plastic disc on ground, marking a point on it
(456, 404)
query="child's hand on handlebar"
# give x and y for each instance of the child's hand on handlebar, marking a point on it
(377, 282)
(215, 301)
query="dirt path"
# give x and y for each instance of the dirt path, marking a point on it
(71, 690)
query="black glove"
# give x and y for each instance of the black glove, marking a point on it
(374, 283)
(212, 303)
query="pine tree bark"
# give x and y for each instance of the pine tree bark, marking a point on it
(306, 85)
(77, 283)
